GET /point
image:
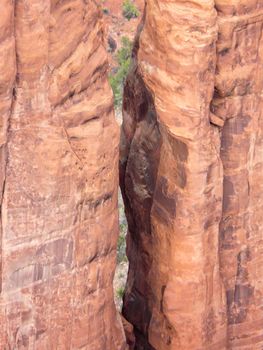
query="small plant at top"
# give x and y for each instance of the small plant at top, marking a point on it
(129, 10)
(106, 11)
(124, 60)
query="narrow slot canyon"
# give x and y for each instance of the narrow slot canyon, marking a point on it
(131, 179)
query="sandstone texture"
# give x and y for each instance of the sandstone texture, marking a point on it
(58, 180)
(192, 176)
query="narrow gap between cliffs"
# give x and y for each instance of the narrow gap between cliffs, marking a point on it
(122, 19)
(122, 267)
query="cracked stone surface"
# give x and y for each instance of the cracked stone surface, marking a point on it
(191, 171)
(58, 180)
(192, 174)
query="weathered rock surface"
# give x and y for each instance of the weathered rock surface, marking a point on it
(238, 101)
(58, 180)
(192, 174)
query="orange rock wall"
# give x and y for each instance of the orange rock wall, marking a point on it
(238, 101)
(191, 174)
(58, 179)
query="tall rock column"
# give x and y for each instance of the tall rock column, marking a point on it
(238, 101)
(191, 175)
(171, 175)
(59, 160)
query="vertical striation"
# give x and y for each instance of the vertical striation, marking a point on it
(191, 176)
(175, 278)
(59, 161)
(238, 101)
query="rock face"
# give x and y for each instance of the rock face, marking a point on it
(192, 176)
(58, 180)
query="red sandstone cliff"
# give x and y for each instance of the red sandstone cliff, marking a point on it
(192, 174)
(58, 180)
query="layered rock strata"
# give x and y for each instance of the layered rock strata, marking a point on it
(58, 180)
(191, 176)
(238, 101)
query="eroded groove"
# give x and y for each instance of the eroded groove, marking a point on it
(5, 130)
(143, 141)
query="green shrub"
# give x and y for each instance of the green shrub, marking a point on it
(124, 60)
(121, 246)
(120, 292)
(129, 10)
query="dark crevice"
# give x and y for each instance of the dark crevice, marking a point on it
(139, 160)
